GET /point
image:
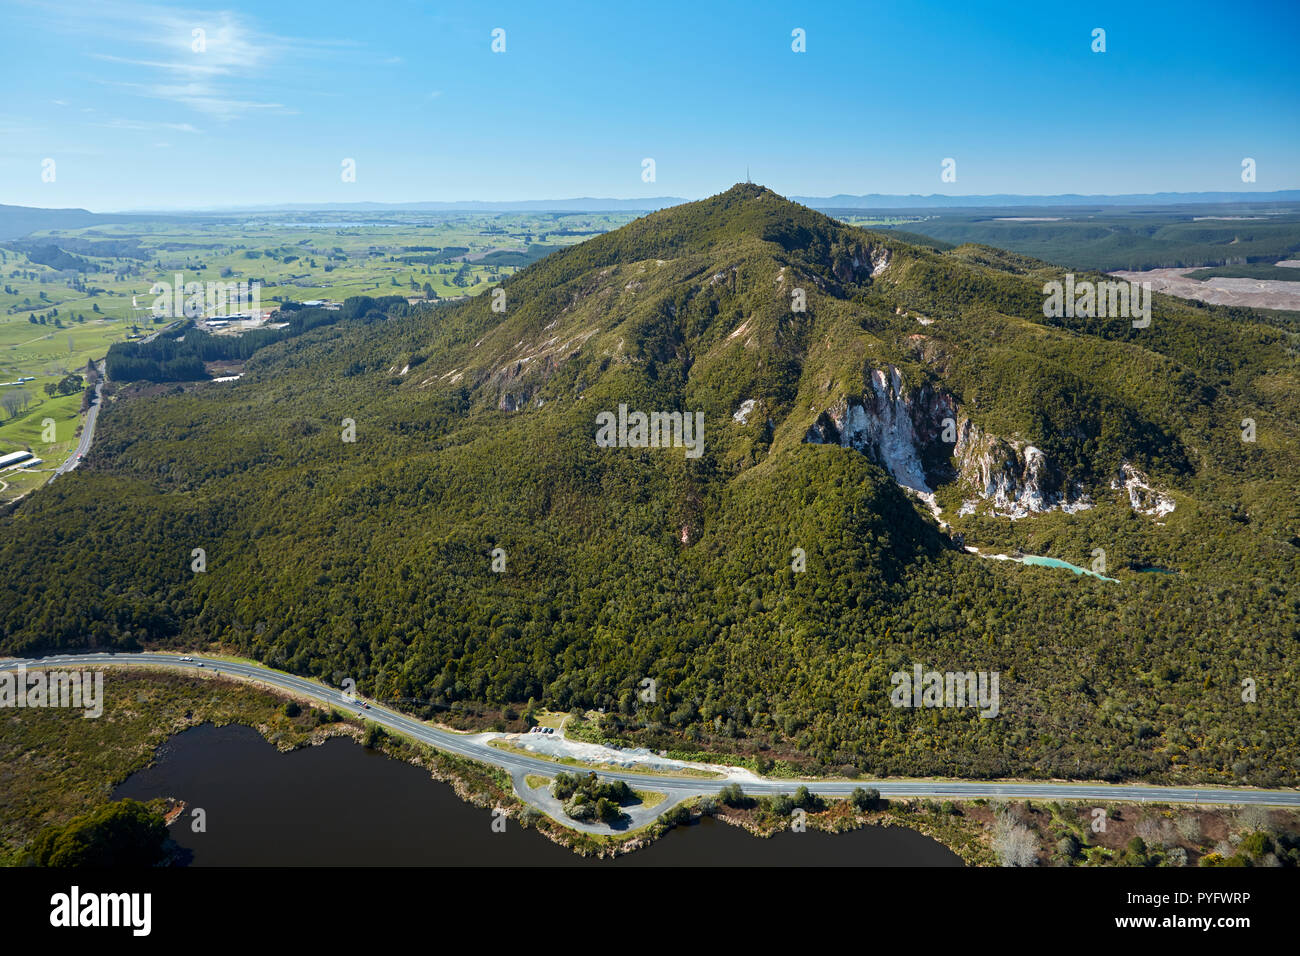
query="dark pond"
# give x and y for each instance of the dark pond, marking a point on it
(342, 805)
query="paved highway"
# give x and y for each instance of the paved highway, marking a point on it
(518, 766)
(87, 432)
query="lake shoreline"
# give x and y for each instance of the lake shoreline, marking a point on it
(475, 790)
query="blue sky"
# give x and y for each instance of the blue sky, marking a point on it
(285, 91)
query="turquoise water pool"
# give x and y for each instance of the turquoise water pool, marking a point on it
(1058, 563)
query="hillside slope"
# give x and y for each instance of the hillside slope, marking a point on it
(917, 401)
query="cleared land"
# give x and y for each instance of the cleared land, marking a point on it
(66, 295)
(1220, 290)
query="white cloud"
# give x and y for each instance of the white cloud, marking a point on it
(214, 62)
(202, 98)
(149, 125)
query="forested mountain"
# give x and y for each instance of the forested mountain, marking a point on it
(871, 403)
(16, 221)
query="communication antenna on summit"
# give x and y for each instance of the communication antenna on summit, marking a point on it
(747, 179)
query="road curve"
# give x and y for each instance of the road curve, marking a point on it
(518, 766)
(87, 431)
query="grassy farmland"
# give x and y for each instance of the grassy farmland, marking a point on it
(66, 295)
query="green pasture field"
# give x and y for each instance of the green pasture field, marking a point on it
(54, 321)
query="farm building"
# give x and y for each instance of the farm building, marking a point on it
(17, 458)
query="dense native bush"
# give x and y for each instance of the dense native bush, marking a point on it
(374, 559)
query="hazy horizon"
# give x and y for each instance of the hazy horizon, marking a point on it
(891, 201)
(164, 108)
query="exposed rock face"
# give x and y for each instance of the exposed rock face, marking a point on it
(879, 261)
(515, 377)
(1141, 496)
(890, 426)
(902, 430)
(862, 261)
(513, 401)
(1016, 478)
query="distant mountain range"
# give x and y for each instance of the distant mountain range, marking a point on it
(881, 201)
(839, 201)
(17, 221)
(584, 204)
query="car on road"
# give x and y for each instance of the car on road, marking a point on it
(187, 658)
(200, 664)
(365, 706)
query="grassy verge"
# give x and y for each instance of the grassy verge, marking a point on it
(650, 798)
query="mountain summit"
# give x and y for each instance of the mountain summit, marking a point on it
(785, 327)
(523, 513)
